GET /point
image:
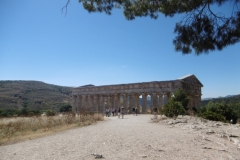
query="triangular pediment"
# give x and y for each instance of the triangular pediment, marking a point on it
(190, 79)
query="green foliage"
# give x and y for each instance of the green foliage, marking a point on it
(66, 108)
(200, 30)
(8, 112)
(178, 104)
(232, 101)
(213, 116)
(50, 113)
(173, 109)
(24, 112)
(218, 111)
(15, 112)
(181, 96)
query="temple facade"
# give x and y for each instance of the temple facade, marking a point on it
(98, 98)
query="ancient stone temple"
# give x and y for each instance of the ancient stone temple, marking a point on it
(98, 98)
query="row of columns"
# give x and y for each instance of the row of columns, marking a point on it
(99, 103)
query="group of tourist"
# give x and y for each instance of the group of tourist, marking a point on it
(135, 111)
(113, 111)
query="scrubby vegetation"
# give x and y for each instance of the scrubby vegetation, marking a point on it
(221, 109)
(218, 111)
(65, 108)
(21, 128)
(178, 104)
(24, 112)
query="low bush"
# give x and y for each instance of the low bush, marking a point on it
(50, 113)
(15, 112)
(218, 111)
(172, 109)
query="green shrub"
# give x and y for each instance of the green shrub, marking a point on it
(218, 111)
(178, 104)
(66, 108)
(181, 96)
(50, 113)
(24, 111)
(173, 109)
(8, 112)
(213, 116)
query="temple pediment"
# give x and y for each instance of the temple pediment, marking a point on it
(192, 79)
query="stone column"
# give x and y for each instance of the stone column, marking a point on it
(198, 101)
(110, 100)
(114, 101)
(79, 103)
(74, 103)
(104, 103)
(95, 103)
(160, 103)
(125, 102)
(137, 101)
(118, 101)
(132, 103)
(154, 98)
(101, 104)
(151, 104)
(144, 103)
(90, 102)
(83, 103)
(86, 103)
(166, 98)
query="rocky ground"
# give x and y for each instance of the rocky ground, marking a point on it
(134, 138)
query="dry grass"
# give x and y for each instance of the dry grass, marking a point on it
(22, 128)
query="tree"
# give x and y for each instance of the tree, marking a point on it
(66, 108)
(200, 29)
(178, 104)
(24, 111)
(181, 96)
(173, 109)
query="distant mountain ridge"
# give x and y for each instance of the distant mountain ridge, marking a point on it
(37, 95)
(209, 98)
(227, 99)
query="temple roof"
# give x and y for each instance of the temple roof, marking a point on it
(191, 78)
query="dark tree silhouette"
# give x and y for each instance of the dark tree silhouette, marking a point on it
(200, 30)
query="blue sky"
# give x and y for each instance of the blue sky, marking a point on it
(38, 42)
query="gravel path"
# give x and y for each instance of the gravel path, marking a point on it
(134, 137)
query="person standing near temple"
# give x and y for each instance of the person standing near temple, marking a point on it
(119, 112)
(133, 110)
(122, 112)
(113, 111)
(107, 112)
(136, 111)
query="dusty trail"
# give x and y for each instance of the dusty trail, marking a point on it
(134, 137)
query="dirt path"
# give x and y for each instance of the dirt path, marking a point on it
(134, 137)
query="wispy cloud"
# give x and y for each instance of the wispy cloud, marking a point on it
(124, 66)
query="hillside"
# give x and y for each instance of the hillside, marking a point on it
(37, 95)
(227, 99)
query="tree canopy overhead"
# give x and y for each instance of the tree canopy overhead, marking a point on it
(201, 29)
